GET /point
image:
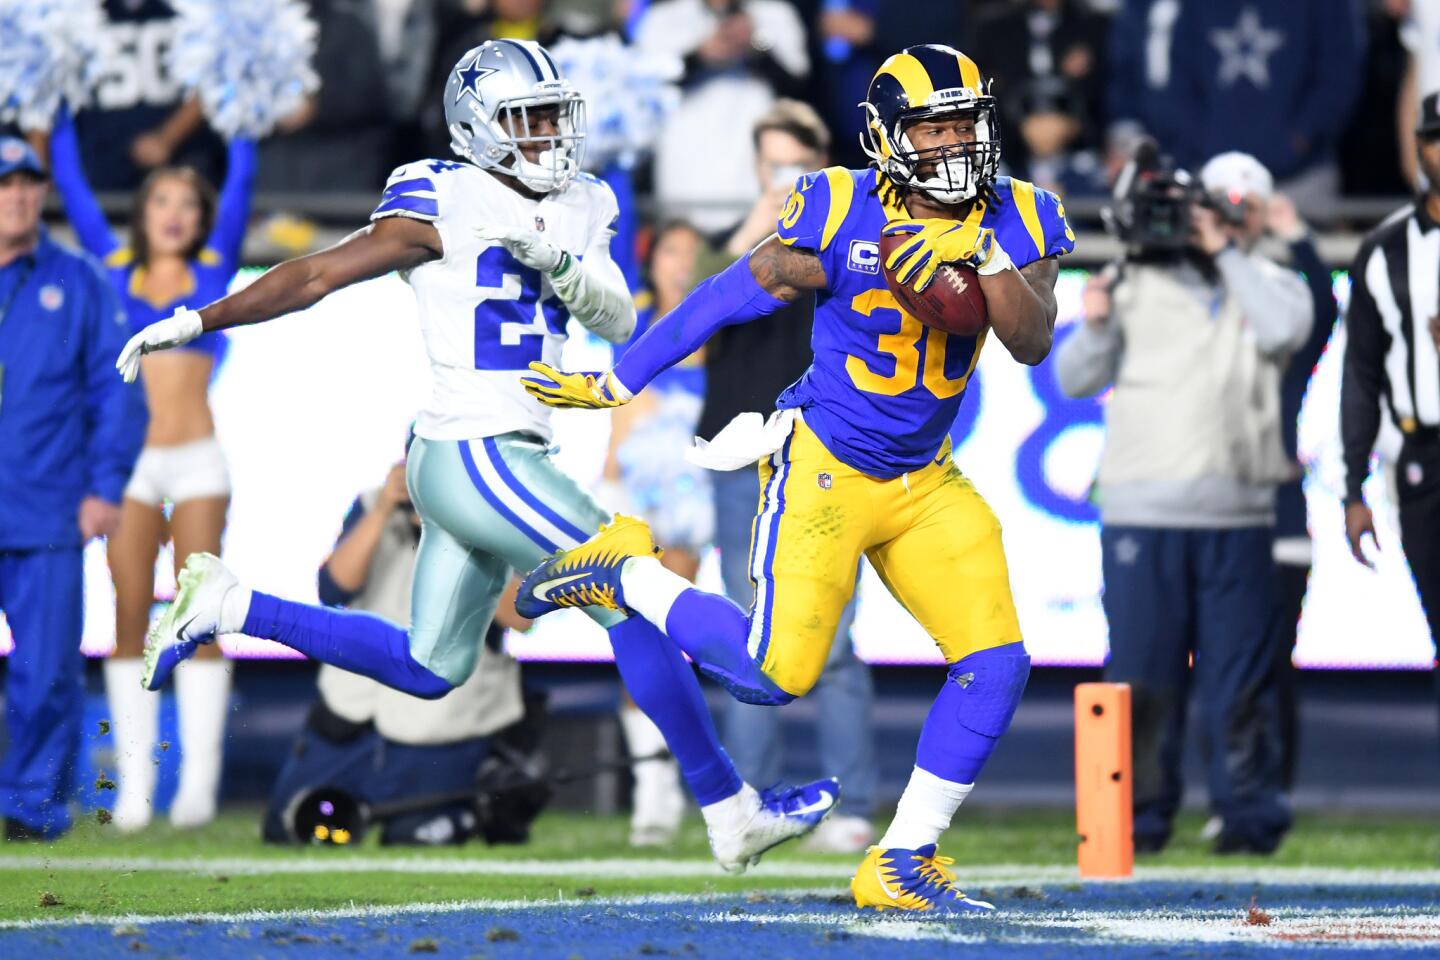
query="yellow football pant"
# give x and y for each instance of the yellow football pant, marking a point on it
(929, 534)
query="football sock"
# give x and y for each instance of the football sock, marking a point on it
(733, 813)
(134, 725)
(925, 810)
(202, 699)
(664, 686)
(711, 628)
(349, 639)
(972, 710)
(234, 608)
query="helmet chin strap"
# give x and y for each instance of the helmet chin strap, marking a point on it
(547, 174)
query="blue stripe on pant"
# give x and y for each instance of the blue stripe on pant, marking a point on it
(40, 592)
(1171, 592)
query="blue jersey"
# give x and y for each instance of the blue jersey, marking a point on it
(883, 389)
(69, 427)
(210, 271)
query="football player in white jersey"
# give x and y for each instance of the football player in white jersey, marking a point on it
(501, 250)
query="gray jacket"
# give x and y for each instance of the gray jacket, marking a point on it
(1193, 425)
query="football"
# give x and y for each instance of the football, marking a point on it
(953, 301)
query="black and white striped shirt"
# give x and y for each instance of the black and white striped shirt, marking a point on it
(1394, 293)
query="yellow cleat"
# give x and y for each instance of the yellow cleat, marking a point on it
(918, 880)
(588, 575)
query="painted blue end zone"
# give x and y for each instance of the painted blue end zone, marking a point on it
(1048, 923)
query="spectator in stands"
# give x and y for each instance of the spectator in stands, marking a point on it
(184, 247)
(739, 55)
(373, 63)
(747, 367)
(1420, 33)
(1276, 80)
(1194, 340)
(1048, 57)
(70, 431)
(1139, 78)
(139, 121)
(646, 474)
(1052, 138)
(376, 743)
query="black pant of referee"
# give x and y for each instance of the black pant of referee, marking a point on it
(1419, 483)
(1392, 352)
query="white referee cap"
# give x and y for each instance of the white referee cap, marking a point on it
(1237, 175)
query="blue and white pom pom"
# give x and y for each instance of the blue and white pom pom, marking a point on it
(49, 51)
(627, 95)
(249, 61)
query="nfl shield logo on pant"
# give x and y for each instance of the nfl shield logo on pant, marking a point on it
(823, 480)
(540, 224)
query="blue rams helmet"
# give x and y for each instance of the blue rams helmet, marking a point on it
(926, 82)
(489, 101)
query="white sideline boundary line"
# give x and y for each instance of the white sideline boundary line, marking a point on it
(632, 868)
(1385, 928)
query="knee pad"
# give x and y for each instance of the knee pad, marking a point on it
(990, 684)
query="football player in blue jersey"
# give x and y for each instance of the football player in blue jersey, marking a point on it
(501, 249)
(857, 459)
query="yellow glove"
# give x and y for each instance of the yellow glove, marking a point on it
(592, 391)
(932, 242)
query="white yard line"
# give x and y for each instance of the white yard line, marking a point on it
(633, 868)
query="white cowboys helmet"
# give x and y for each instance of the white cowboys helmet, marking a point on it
(489, 101)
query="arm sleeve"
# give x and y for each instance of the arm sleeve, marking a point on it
(233, 212)
(732, 296)
(1087, 361)
(330, 593)
(116, 414)
(1275, 303)
(1361, 379)
(594, 288)
(81, 207)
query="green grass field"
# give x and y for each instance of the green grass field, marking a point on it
(223, 868)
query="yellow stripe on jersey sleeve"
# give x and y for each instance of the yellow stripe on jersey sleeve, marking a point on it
(1024, 196)
(119, 257)
(842, 195)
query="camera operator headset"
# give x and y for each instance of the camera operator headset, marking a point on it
(1193, 329)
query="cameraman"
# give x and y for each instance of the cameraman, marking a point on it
(1193, 330)
(381, 745)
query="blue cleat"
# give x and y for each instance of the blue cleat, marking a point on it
(778, 814)
(918, 880)
(191, 620)
(588, 575)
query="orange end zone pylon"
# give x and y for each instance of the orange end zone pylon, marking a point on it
(1103, 813)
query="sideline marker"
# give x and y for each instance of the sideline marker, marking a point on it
(1103, 794)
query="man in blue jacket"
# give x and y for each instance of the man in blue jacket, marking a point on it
(69, 435)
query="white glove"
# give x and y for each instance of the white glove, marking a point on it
(180, 327)
(527, 246)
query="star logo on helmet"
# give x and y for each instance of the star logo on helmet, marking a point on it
(470, 76)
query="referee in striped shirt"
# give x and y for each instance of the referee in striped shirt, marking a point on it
(1393, 351)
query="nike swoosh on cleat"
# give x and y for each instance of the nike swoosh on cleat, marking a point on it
(940, 460)
(541, 590)
(180, 630)
(883, 886)
(825, 801)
